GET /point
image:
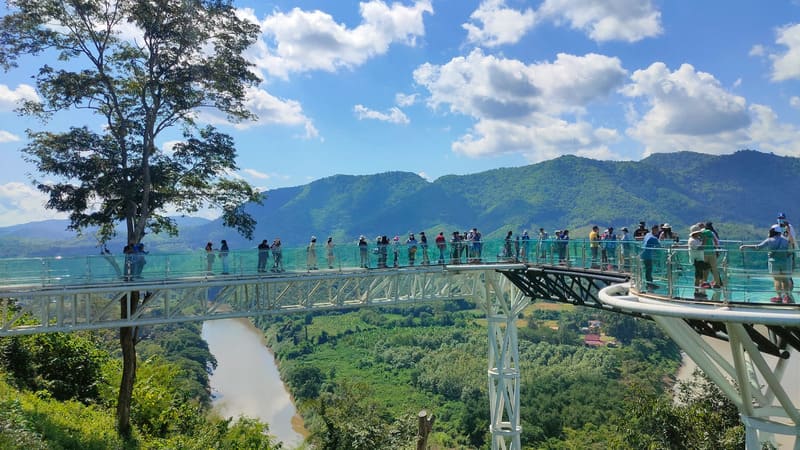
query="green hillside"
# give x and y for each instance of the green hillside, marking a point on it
(740, 192)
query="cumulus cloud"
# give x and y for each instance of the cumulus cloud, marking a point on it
(9, 99)
(786, 65)
(547, 138)
(21, 203)
(689, 110)
(795, 102)
(300, 41)
(270, 111)
(493, 24)
(520, 108)
(395, 115)
(609, 20)
(6, 136)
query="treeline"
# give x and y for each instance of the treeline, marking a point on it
(360, 377)
(59, 390)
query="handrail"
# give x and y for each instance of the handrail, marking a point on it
(744, 272)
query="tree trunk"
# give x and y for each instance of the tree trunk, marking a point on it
(127, 340)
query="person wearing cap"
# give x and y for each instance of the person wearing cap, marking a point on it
(697, 256)
(788, 233)
(363, 247)
(311, 254)
(778, 262)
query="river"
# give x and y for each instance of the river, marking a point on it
(246, 381)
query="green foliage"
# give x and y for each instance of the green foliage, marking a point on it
(66, 366)
(347, 417)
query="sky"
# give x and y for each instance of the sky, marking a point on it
(440, 87)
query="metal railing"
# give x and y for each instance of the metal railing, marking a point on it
(745, 273)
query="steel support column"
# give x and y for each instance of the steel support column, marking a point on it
(503, 303)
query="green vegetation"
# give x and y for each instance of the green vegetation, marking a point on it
(59, 390)
(360, 377)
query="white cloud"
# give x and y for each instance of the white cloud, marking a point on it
(770, 135)
(9, 99)
(484, 86)
(6, 136)
(795, 102)
(300, 41)
(270, 111)
(256, 174)
(518, 107)
(547, 138)
(608, 20)
(757, 50)
(404, 100)
(498, 25)
(685, 102)
(395, 115)
(22, 203)
(786, 65)
(689, 110)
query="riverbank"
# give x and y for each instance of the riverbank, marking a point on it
(247, 382)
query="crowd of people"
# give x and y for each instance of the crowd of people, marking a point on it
(608, 250)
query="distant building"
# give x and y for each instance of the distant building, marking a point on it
(593, 340)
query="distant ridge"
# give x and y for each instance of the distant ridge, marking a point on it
(740, 192)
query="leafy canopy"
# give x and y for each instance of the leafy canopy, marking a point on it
(144, 67)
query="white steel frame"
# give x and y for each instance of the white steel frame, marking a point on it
(753, 383)
(72, 308)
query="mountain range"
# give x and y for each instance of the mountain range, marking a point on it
(742, 193)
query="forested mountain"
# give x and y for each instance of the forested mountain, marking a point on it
(741, 193)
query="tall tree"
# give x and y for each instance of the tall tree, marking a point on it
(144, 67)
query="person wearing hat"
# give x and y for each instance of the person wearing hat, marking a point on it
(697, 256)
(778, 262)
(311, 254)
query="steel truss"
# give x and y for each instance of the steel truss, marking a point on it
(754, 383)
(73, 308)
(503, 304)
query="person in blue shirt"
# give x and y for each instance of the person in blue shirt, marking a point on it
(649, 245)
(779, 263)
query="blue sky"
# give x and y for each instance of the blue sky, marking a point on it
(440, 87)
